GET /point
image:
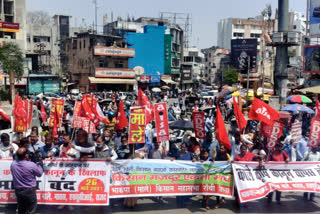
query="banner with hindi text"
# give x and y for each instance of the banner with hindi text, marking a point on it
(137, 124)
(143, 178)
(254, 182)
(64, 182)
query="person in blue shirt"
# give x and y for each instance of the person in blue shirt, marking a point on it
(301, 148)
(49, 150)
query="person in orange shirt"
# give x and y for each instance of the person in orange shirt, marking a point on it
(110, 122)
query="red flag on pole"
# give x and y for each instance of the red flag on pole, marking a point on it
(3, 115)
(143, 100)
(122, 120)
(221, 132)
(241, 121)
(263, 112)
(195, 108)
(19, 109)
(317, 109)
(43, 114)
(55, 122)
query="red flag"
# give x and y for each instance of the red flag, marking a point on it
(221, 132)
(263, 112)
(161, 119)
(314, 137)
(43, 114)
(241, 121)
(195, 108)
(122, 120)
(143, 100)
(3, 115)
(86, 108)
(317, 109)
(55, 122)
(19, 109)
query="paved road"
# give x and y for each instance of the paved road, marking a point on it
(291, 203)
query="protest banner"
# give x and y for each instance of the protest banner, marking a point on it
(143, 178)
(161, 119)
(198, 124)
(137, 124)
(64, 182)
(296, 131)
(314, 136)
(60, 106)
(276, 133)
(254, 182)
(81, 122)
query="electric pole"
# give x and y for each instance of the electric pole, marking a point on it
(282, 60)
(96, 15)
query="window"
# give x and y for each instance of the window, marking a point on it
(74, 44)
(294, 27)
(28, 38)
(118, 64)
(84, 43)
(255, 35)
(80, 44)
(103, 63)
(238, 34)
(37, 39)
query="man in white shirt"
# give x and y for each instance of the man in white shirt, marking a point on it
(7, 150)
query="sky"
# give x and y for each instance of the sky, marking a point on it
(205, 13)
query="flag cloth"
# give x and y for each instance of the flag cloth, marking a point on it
(55, 122)
(142, 100)
(221, 133)
(43, 114)
(19, 109)
(122, 120)
(317, 109)
(195, 108)
(241, 121)
(263, 112)
(3, 115)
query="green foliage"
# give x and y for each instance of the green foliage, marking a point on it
(11, 59)
(230, 76)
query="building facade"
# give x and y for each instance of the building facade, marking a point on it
(99, 62)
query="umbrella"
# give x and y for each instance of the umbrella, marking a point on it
(165, 87)
(156, 90)
(181, 124)
(284, 115)
(299, 99)
(225, 86)
(205, 108)
(226, 91)
(234, 94)
(297, 108)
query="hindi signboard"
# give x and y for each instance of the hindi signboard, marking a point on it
(254, 182)
(137, 124)
(143, 178)
(64, 182)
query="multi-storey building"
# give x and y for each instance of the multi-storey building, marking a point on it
(99, 62)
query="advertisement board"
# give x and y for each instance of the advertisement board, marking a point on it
(241, 51)
(314, 17)
(114, 51)
(115, 72)
(311, 59)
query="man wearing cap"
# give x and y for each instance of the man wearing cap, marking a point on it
(110, 121)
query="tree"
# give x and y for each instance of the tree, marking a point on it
(230, 76)
(11, 62)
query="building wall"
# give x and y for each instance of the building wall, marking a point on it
(149, 49)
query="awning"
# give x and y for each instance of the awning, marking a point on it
(94, 80)
(169, 81)
(314, 90)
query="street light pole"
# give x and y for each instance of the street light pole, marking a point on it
(247, 98)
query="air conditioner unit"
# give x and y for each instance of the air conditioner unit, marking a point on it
(7, 37)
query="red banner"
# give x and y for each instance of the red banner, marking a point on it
(161, 119)
(82, 122)
(198, 124)
(59, 103)
(314, 136)
(137, 124)
(276, 133)
(21, 124)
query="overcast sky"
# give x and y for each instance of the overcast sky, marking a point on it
(205, 13)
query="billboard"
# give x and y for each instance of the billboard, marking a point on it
(311, 59)
(241, 51)
(112, 51)
(314, 17)
(9, 27)
(115, 72)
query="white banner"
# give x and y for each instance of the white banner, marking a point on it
(254, 182)
(64, 182)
